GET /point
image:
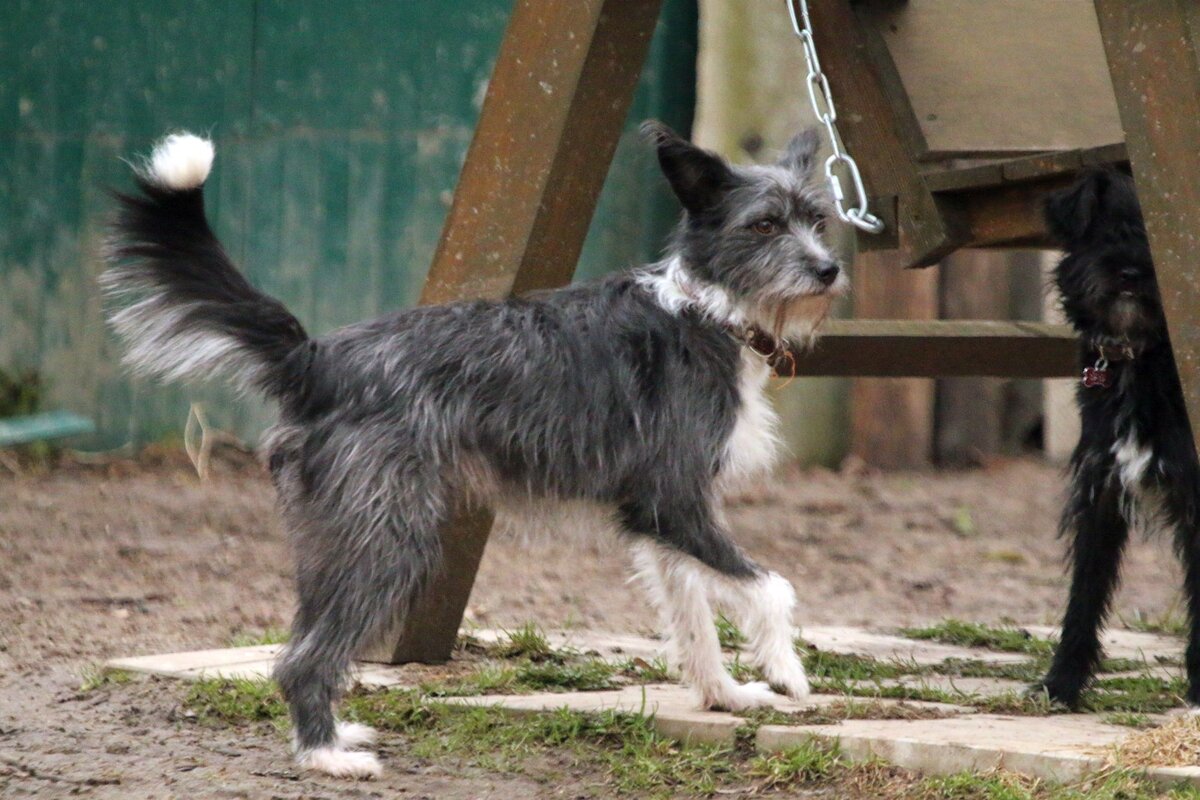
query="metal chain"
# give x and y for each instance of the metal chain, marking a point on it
(821, 99)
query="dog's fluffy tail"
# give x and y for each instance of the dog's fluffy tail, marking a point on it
(186, 309)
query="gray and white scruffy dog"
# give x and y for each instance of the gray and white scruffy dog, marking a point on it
(640, 396)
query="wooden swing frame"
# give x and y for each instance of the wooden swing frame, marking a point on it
(562, 86)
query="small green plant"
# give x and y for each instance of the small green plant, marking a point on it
(236, 701)
(728, 634)
(1171, 622)
(640, 670)
(993, 637)
(267, 636)
(839, 711)
(528, 641)
(963, 523)
(809, 761)
(95, 677)
(1130, 719)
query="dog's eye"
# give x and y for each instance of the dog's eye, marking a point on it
(765, 227)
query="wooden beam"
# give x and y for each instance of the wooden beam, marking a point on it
(1153, 56)
(891, 421)
(941, 348)
(558, 97)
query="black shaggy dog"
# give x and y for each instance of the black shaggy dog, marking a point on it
(637, 399)
(1135, 465)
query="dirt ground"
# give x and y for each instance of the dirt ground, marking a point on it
(137, 558)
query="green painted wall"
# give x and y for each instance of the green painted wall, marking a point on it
(340, 131)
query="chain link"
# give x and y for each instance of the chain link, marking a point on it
(821, 98)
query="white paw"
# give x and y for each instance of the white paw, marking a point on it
(788, 678)
(341, 763)
(738, 697)
(352, 734)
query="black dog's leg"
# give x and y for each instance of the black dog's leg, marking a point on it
(1190, 553)
(1100, 531)
(1181, 490)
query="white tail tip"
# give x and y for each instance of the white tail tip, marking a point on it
(180, 162)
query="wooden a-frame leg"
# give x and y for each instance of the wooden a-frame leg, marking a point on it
(1154, 60)
(557, 100)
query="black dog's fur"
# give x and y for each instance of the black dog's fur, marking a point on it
(1135, 462)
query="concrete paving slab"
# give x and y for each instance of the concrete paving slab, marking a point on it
(882, 646)
(1060, 748)
(186, 665)
(606, 645)
(966, 686)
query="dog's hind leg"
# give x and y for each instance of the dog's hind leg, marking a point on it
(1181, 502)
(763, 606)
(362, 560)
(1095, 517)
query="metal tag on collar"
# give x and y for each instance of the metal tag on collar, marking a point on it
(1097, 376)
(761, 342)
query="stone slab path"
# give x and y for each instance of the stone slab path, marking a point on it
(1061, 747)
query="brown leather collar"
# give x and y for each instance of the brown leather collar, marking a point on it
(1114, 352)
(777, 352)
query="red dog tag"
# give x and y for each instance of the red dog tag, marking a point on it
(1097, 377)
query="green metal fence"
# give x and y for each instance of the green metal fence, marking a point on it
(340, 131)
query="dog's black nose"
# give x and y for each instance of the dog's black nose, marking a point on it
(827, 273)
(1130, 274)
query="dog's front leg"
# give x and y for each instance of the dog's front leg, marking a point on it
(1095, 517)
(763, 606)
(680, 586)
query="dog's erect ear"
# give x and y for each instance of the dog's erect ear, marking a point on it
(697, 176)
(1070, 212)
(801, 153)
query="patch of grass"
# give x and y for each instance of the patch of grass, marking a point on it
(1026, 671)
(528, 641)
(728, 634)
(236, 701)
(839, 711)
(1143, 694)
(634, 759)
(1024, 704)
(743, 672)
(1171, 622)
(1130, 719)
(642, 671)
(582, 676)
(268, 636)
(524, 677)
(996, 785)
(807, 762)
(95, 677)
(836, 667)
(1006, 638)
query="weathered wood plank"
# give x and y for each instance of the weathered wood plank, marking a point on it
(559, 93)
(969, 411)
(1152, 49)
(1001, 76)
(938, 348)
